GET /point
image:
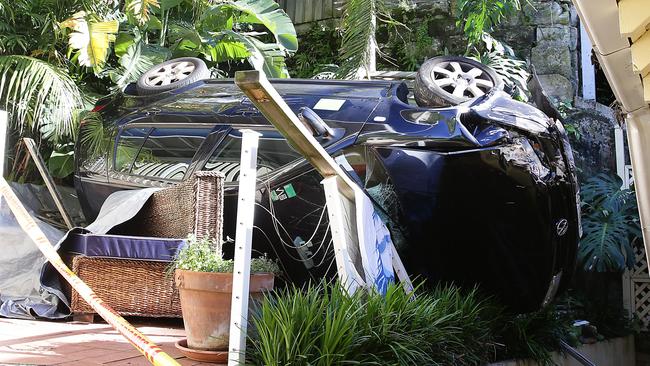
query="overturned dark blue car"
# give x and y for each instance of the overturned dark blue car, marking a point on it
(475, 187)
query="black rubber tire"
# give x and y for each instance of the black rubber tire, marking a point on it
(428, 94)
(200, 72)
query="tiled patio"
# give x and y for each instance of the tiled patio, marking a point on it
(28, 342)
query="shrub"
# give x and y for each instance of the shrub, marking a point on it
(323, 325)
(205, 255)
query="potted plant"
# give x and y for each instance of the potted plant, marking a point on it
(204, 280)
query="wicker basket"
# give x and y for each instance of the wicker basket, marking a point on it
(131, 287)
(141, 287)
(193, 206)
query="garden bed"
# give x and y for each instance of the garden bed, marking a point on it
(614, 352)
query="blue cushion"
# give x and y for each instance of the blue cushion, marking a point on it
(119, 246)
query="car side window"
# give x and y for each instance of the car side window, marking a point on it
(130, 142)
(168, 152)
(273, 152)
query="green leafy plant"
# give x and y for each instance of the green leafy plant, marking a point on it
(323, 325)
(234, 30)
(500, 57)
(205, 255)
(535, 335)
(38, 95)
(477, 17)
(61, 161)
(610, 223)
(318, 51)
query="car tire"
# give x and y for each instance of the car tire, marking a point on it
(172, 74)
(447, 80)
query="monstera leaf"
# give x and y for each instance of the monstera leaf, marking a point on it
(90, 38)
(610, 223)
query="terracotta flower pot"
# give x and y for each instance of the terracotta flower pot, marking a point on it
(205, 303)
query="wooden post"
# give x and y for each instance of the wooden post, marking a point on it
(341, 234)
(243, 248)
(49, 182)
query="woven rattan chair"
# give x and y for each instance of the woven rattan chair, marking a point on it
(142, 287)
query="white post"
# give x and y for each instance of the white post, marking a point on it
(4, 117)
(588, 71)
(342, 234)
(619, 145)
(243, 248)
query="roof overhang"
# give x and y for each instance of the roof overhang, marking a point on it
(618, 33)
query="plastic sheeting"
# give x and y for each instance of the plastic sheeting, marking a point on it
(30, 287)
(21, 293)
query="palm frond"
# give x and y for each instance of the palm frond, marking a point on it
(359, 23)
(38, 95)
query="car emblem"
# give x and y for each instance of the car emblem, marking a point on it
(561, 227)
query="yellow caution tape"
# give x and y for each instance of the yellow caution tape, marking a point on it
(150, 350)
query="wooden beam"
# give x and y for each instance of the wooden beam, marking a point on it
(49, 182)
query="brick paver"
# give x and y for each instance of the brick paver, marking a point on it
(30, 342)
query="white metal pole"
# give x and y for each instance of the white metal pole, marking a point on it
(587, 68)
(619, 145)
(4, 117)
(243, 248)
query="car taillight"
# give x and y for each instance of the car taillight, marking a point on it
(98, 108)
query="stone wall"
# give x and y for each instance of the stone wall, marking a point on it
(545, 32)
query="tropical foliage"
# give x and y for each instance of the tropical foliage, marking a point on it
(610, 224)
(56, 57)
(480, 16)
(359, 24)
